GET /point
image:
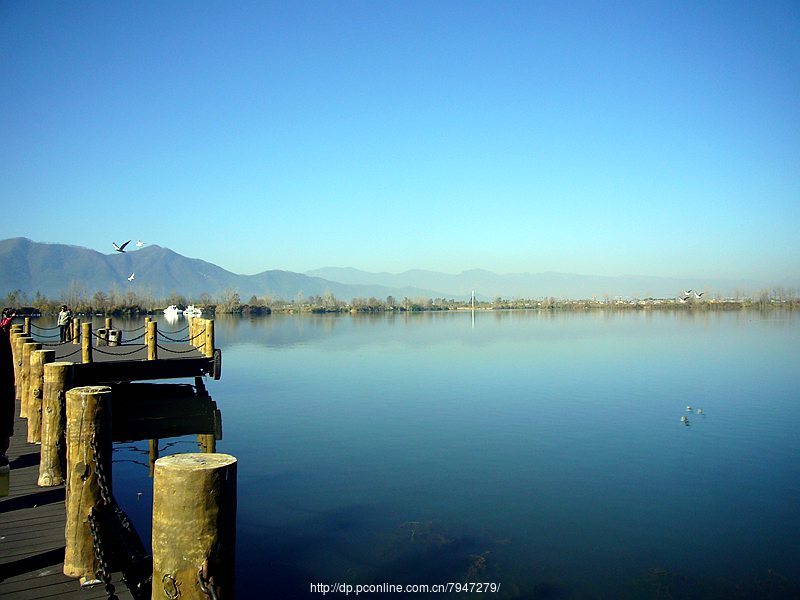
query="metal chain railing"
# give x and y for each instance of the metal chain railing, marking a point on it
(99, 349)
(113, 529)
(178, 341)
(43, 328)
(197, 335)
(42, 335)
(172, 351)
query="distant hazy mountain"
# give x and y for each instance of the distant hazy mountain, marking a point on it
(53, 269)
(527, 285)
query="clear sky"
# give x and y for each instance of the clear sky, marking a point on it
(608, 138)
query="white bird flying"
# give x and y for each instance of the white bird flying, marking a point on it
(683, 300)
(120, 248)
(139, 243)
(131, 277)
(697, 296)
(687, 292)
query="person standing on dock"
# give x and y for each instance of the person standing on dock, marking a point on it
(6, 383)
(64, 321)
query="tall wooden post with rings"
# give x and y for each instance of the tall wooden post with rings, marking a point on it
(194, 526)
(88, 471)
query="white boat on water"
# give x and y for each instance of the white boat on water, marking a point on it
(172, 310)
(193, 311)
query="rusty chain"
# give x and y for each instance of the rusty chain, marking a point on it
(129, 551)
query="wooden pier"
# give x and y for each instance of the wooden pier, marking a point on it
(32, 521)
(53, 380)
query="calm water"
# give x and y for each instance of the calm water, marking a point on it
(542, 451)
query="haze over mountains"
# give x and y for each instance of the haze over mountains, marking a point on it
(52, 269)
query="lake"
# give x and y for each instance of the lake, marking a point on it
(541, 450)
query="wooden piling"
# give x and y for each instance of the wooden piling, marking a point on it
(25, 375)
(208, 349)
(194, 526)
(76, 331)
(19, 342)
(109, 322)
(27, 326)
(16, 331)
(153, 455)
(86, 345)
(88, 419)
(151, 339)
(57, 377)
(39, 358)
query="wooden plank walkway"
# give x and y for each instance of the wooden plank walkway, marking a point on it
(32, 521)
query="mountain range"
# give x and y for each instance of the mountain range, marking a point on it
(53, 269)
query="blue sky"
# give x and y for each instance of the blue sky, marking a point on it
(608, 138)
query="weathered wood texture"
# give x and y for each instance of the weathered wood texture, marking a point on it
(88, 424)
(194, 525)
(53, 451)
(32, 523)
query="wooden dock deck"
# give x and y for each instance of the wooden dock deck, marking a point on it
(32, 521)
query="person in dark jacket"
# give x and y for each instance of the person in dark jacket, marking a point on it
(6, 383)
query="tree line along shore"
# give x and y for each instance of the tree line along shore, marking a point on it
(229, 302)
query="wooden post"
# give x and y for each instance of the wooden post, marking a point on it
(39, 358)
(151, 339)
(57, 377)
(86, 346)
(19, 342)
(153, 455)
(88, 418)
(207, 443)
(208, 349)
(76, 331)
(194, 525)
(25, 375)
(27, 326)
(14, 332)
(108, 322)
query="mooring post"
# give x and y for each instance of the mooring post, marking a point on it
(153, 455)
(108, 322)
(194, 526)
(27, 326)
(208, 350)
(86, 345)
(13, 334)
(151, 339)
(88, 430)
(76, 331)
(19, 342)
(39, 358)
(25, 376)
(57, 376)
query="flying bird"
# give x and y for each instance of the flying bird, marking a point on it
(131, 277)
(683, 300)
(139, 243)
(120, 248)
(687, 292)
(697, 296)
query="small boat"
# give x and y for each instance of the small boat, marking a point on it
(192, 311)
(172, 310)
